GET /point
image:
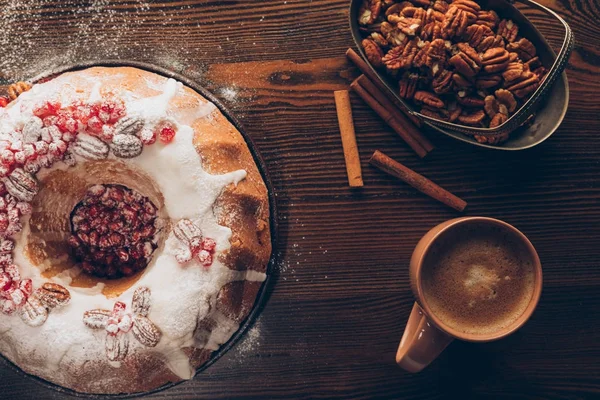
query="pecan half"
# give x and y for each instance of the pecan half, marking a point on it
(53, 295)
(96, 319)
(117, 346)
(33, 312)
(492, 139)
(432, 31)
(468, 6)
(440, 5)
(457, 21)
(495, 60)
(90, 147)
(505, 97)
(22, 185)
(126, 146)
(498, 120)
(475, 34)
(461, 82)
(408, 85)
(409, 26)
(533, 63)
(434, 16)
(429, 99)
(514, 70)
(400, 57)
(141, 301)
(487, 81)
(442, 83)
(393, 35)
(369, 11)
(436, 113)
(523, 47)
(487, 18)
(474, 118)
(490, 42)
(373, 52)
(421, 3)
(454, 111)
(145, 331)
(469, 100)
(397, 8)
(467, 61)
(508, 30)
(415, 13)
(379, 39)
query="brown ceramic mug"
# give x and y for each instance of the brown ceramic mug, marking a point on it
(426, 335)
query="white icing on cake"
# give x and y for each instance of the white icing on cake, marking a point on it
(181, 295)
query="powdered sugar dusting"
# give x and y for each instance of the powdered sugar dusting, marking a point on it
(94, 29)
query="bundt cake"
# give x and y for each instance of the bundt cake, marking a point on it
(134, 230)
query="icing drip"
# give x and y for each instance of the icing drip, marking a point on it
(181, 295)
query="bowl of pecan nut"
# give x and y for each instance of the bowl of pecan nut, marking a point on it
(477, 71)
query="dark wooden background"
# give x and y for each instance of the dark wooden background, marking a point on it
(341, 296)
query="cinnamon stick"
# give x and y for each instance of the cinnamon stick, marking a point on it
(344, 113)
(408, 126)
(364, 68)
(388, 118)
(419, 182)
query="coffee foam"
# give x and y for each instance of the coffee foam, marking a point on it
(478, 279)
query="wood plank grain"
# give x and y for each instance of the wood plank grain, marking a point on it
(341, 294)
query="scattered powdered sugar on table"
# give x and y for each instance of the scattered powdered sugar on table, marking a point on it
(251, 341)
(91, 30)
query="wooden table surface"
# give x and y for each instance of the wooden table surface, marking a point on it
(340, 297)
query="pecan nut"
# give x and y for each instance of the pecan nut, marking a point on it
(461, 82)
(22, 185)
(401, 57)
(96, 319)
(475, 34)
(409, 26)
(393, 35)
(126, 146)
(145, 331)
(185, 230)
(440, 6)
(505, 97)
(408, 85)
(141, 301)
(429, 99)
(524, 48)
(33, 312)
(373, 51)
(90, 147)
(442, 83)
(490, 42)
(469, 100)
(487, 18)
(474, 118)
(369, 11)
(130, 125)
(508, 30)
(53, 295)
(495, 60)
(117, 346)
(432, 31)
(466, 61)
(487, 81)
(492, 139)
(456, 22)
(498, 120)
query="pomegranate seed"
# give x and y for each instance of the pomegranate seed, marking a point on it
(57, 148)
(41, 147)
(94, 238)
(73, 241)
(118, 308)
(5, 281)
(104, 116)
(3, 222)
(148, 136)
(7, 157)
(205, 258)
(209, 244)
(26, 287)
(167, 134)
(196, 245)
(13, 271)
(95, 124)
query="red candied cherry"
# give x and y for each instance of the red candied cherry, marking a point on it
(111, 111)
(107, 134)
(205, 258)
(47, 108)
(167, 133)
(3, 101)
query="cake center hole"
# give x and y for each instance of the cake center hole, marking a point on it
(113, 231)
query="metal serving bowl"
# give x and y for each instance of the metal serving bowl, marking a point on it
(549, 102)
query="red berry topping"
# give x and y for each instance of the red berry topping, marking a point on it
(47, 108)
(209, 244)
(4, 101)
(167, 134)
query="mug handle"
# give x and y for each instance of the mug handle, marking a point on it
(421, 343)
